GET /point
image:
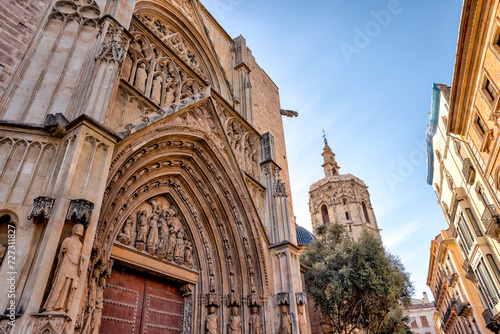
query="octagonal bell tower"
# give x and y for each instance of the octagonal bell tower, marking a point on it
(341, 197)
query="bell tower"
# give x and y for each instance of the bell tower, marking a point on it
(341, 198)
(329, 165)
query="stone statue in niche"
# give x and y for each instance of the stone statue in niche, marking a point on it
(96, 319)
(302, 319)
(162, 236)
(141, 77)
(127, 67)
(156, 90)
(170, 96)
(254, 322)
(286, 321)
(142, 230)
(234, 325)
(172, 239)
(188, 255)
(212, 323)
(152, 243)
(68, 272)
(125, 236)
(179, 247)
(211, 283)
(91, 303)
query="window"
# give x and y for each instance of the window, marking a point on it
(424, 321)
(324, 214)
(365, 211)
(413, 322)
(465, 234)
(347, 215)
(490, 90)
(473, 222)
(493, 266)
(498, 40)
(487, 285)
(480, 126)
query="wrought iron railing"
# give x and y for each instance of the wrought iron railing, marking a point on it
(490, 216)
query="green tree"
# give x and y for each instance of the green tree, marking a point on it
(356, 284)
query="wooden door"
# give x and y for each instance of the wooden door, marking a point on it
(137, 303)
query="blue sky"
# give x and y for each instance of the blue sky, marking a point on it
(370, 93)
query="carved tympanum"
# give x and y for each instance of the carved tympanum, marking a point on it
(158, 230)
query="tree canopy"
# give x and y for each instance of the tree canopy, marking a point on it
(356, 284)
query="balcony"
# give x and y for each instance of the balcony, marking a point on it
(463, 309)
(468, 171)
(449, 317)
(491, 324)
(490, 219)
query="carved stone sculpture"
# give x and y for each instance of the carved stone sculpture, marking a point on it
(127, 67)
(172, 238)
(255, 326)
(69, 269)
(188, 255)
(179, 247)
(234, 325)
(170, 97)
(302, 320)
(142, 230)
(156, 90)
(141, 77)
(153, 234)
(286, 322)
(125, 236)
(162, 236)
(212, 323)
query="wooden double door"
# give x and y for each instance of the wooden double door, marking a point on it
(138, 303)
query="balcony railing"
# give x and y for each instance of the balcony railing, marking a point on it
(490, 219)
(491, 324)
(449, 317)
(463, 309)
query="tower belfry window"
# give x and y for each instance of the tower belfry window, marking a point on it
(365, 211)
(324, 214)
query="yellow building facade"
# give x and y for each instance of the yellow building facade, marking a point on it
(463, 152)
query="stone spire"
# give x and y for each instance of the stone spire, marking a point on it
(329, 165)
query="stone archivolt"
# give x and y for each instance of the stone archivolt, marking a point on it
(176, 199)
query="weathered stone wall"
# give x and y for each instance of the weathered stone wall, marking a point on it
(267, 118)
(19, 21)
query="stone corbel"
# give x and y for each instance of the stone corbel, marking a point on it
(41, 209)
(301, 298)
(80, 208)
(283, 298)
(56, 124)
(233, 299)
(55, 323)
(213, 299)
(254, 299)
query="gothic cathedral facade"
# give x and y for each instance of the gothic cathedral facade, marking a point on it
(144, 182)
